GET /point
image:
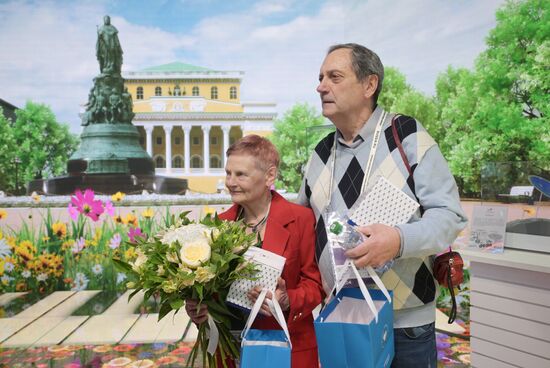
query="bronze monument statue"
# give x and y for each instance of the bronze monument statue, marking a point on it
(110, 157)
(108, 50)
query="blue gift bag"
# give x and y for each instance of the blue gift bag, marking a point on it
(345, 339)
(265, 348)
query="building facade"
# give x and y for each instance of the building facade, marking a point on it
(188, 116)
(8, 110)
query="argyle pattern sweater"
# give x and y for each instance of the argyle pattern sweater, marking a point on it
(411, 277)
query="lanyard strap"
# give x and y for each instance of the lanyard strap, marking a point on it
(370, 162)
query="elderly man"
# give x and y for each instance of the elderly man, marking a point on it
(350, 81)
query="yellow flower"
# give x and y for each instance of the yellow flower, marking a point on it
(118, 219)
(59, 229)
(67, 244)
(36, 197)
(194, 253)
(148, 213)
(208, 210)
(45, 239)
(140, 260)
(130, 253)
(3, 214)
(203, 274)
(118, 196)
(131, 220)
(169, 286)
(529, 211)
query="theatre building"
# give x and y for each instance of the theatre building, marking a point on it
(188, 116)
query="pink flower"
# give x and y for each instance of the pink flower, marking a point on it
(135, 232)
(109, 208)
(73, 211)
(87, 205)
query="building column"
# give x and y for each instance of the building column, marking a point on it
(149, 139)
(226, 129)
(187, 148)
(168, 147)
(206, 147)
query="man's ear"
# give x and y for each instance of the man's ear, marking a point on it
(370, 85)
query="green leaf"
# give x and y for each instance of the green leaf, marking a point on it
(176, 303)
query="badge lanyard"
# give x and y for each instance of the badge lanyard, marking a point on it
(370, 162)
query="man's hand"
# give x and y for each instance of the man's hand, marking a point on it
(280, 294)
(198, 316)
(381, 245)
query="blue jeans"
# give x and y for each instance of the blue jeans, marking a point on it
(415, 347)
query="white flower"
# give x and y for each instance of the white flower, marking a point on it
(97, 269)
(120, 277)
(140, 260)
(160, 270)
(42, 276)
(6, 279)
(80, 282)
(79, 245)
(187, 233)
(172, 257)
(115, 241)
(194, 253)
(5, 249)
(26, 274)
(8, 266)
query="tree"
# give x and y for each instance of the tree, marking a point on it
(400, 97)
(295, 137)
(499, 111)
(42, 145)
(7, 154)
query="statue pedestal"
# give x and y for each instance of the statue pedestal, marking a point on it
(110, 149)
(108, 184)
(110, 159)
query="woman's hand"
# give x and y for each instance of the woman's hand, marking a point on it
(198, 316)
(280, 294)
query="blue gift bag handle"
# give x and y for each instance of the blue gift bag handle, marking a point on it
(276, 311)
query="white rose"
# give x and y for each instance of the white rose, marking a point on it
(193, 253)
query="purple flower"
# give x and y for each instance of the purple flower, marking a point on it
(135, 232)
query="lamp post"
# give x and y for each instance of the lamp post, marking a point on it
(17, 161)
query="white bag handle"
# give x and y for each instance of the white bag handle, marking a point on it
(275, 310)
(364, 291)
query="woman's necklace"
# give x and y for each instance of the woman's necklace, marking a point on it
(258, 226)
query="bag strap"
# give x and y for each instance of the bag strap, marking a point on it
(399, 145)
(275, 310)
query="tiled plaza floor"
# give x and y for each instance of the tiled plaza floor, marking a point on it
(452, 352)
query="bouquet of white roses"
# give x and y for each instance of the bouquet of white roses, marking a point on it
(195, 261)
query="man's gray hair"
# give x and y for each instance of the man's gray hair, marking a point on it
(364, 62)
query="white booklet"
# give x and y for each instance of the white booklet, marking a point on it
(269, 266)
(383, 203)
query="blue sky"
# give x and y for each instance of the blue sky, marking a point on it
(48, 47)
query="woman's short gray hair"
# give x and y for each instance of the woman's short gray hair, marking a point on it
(364, 62)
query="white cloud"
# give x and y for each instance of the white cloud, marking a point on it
(49, 52)
(49, 48)
(282, 61)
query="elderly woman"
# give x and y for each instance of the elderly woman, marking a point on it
(283, 228)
